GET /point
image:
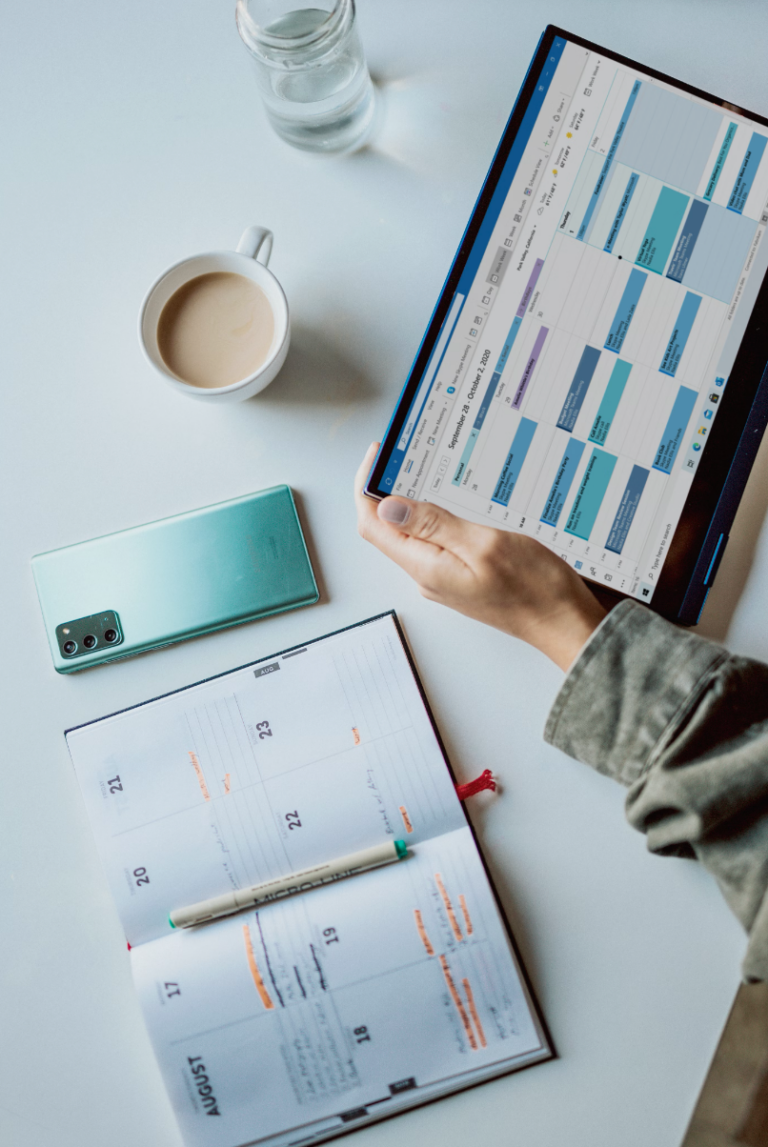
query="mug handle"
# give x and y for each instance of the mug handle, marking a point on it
(253, 240)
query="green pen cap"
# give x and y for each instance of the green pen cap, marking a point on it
(171, 922)
(401, 849)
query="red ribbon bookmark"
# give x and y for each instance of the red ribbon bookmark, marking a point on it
(478, 785)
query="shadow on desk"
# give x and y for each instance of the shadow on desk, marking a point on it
(318, 373)
(732, 1110)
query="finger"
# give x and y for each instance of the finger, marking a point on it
(366, 507)
(369, 525)
(418, 558)
(364, 470)
(429, 523)
(426, 563)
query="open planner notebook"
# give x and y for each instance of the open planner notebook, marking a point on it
(329, 1009)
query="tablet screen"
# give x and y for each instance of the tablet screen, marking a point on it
(569, 385)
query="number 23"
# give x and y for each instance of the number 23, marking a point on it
(264, 730)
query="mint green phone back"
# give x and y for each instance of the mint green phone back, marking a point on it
(180, 577)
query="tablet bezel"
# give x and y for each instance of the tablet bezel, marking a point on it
(718, 482)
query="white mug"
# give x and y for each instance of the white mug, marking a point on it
(243, 261)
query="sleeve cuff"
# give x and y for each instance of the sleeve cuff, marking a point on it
(629, 690)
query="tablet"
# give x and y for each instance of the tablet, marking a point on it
(594, 372)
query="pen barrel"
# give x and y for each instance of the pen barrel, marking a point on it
(286, 885)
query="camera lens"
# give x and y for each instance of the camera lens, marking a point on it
(69, 647)
(110, 635)
(89, 641)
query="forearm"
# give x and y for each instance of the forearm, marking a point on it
(685, 727)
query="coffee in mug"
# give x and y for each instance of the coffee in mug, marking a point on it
(216, 329)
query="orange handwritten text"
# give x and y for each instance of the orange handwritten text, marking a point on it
(423, 932)
(448, 908)
(200, 777)
(465, 914)
(459, 1005)
(264, 994)
(473, 1013)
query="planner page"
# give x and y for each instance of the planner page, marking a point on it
(296, 760)
(338, 1006)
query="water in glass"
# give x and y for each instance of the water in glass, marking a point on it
(312, 72)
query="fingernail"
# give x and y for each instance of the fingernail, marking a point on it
(395, 512)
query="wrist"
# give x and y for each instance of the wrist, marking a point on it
(564, 631)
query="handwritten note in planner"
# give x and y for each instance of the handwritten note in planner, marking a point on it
(335, 1006)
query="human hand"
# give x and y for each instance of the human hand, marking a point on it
(509, 581)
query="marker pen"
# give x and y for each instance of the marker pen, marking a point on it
(286, 885)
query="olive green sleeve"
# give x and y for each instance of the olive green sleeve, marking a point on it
(684, 725)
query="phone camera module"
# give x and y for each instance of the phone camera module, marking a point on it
(81, 637)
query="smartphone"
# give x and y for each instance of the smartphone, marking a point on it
(181, 577)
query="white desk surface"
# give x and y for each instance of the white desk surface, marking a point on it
(134, 136)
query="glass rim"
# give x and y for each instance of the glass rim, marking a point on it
(254, 33)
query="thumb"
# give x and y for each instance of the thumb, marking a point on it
(427, 522)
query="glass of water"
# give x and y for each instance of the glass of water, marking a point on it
(311, 71)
